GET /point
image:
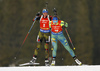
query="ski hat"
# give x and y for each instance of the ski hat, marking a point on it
(55, 18)
(44, 11)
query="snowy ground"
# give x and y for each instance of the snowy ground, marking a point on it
(53, 68)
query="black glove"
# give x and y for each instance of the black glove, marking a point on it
(38, 14)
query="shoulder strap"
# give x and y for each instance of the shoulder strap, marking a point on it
(41, 17)
(48, 17)
(59, 22)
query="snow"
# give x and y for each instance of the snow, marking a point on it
(53, 68)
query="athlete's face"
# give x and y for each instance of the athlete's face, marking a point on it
(55, 21)
(45, 14)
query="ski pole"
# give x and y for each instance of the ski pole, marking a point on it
(26, 37)
(29, 31)
(70, 39)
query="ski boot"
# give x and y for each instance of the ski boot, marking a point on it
(46, 62)
(53, 62)
(78, 62)
(33, 60)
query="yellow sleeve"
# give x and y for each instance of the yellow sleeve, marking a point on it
(49, 24)
(64, 24)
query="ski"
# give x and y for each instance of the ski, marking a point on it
(29, 64)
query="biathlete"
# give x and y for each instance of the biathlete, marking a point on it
(44, 34)
(57, 34)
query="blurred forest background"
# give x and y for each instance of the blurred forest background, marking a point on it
(83, 17)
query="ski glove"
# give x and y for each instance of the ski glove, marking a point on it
(38, 14)
(66, 24)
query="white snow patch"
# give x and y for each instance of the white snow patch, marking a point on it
(53, 68)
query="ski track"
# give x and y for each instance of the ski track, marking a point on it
(53, 68)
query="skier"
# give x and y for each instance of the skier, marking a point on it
(57, 34)
(44, 34)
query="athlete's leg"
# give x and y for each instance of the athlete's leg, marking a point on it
(39, 42)
(54, 44)
(64, 42)
(46, 44)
